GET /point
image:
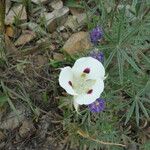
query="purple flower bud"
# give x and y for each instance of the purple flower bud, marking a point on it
(96, 34)
(97, 106)
(97, 55)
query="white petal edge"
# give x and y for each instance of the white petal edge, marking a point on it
(65, 76)
(97, 70)
(87, 99)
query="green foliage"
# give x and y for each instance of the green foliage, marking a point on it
(22, 95)
(145, 146)
(127, 61)
(100, 126)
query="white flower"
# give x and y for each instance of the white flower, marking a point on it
(85, 80)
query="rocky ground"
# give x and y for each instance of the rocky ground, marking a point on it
(34, 40)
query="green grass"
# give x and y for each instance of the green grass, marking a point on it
(127, 60)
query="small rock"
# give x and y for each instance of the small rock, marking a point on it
(9, 45)
(81, 18)
(56, 18)
(26, 37)
(132, 146)
(9, 31)
(43, 40)
(65, 35)
(2, 136)
(76, 11)
(16, 11)
(78, 42)
(71, 23)
(35, 28)
(26, 128)
(44, 124)
(12, 121)
(60, 28)
(57, 4)
(40, 1)
(50, 145)
(58, 56)
(8, 5)
(54, 35)
(41, 60)
(74, 22)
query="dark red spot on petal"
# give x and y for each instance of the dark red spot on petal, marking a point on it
(90, 91)
(86, 70)
(70, 83)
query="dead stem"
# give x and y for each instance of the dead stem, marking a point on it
(85, 135)
(2, 16)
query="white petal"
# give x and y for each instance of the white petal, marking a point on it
(65, 77)
(97, 70)
(90, 98)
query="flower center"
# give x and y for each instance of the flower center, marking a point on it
(82, 85)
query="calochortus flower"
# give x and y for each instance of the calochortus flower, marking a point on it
(96, 34)
(97, 106)
(97, 55)
(85, 80)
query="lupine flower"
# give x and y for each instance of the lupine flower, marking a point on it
(97, 55)
(96, 34)
(85, 80)
(97, 106)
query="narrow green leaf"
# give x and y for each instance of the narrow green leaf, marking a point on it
(121, 23)
(3, 99)
(8, 100)
(130, 61)
(120, 66)
(108, 37)
(130, 112)
(144, 90)
(110, 58)
(146, 58)
(73, 3)
(144, 109)
(145, 100)
(12, 106)
(24, 98)
(137, 113)
(129, 34)
(137, 8)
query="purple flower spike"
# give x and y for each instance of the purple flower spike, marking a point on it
(96, 34)
(97, 55)
(97, 106)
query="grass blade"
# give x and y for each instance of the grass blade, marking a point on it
(8, 100)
